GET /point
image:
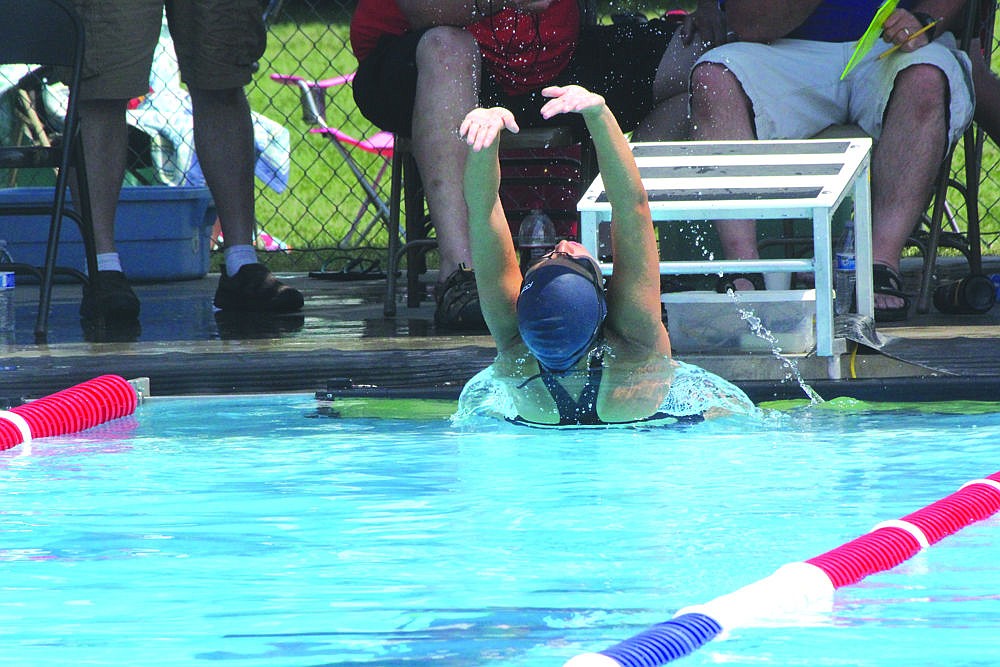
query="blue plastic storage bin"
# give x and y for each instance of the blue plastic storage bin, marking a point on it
(162, 233)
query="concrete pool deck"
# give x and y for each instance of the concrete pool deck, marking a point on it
(342, 334)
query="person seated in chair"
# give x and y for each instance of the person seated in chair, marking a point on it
(784, 82)
(423, 65)
(558, 335)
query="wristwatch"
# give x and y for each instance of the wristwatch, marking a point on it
(925, 20)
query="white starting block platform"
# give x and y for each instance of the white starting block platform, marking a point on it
(760, 180)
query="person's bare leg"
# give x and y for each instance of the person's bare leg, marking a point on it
(105, 145)
(223, 137)
(669, 119)
(720, 111)
(107, 296)
(448, 63)
(905, 162)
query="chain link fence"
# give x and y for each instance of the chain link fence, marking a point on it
(309, 224)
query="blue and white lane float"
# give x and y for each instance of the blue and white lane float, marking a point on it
(808, 586)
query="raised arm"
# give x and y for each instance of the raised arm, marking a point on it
(634, 290)
(498, 275)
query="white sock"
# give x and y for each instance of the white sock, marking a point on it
(238, 256)
(109, 261)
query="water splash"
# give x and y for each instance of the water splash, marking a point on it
(757, 328)
(487, 398)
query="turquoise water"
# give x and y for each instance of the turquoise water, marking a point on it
(261, 531)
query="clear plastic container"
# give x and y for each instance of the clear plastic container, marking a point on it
(535, 237)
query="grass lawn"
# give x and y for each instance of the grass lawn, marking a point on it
(323, 197)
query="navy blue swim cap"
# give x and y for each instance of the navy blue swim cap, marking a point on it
(561, 309)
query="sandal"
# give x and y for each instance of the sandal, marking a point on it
(887, 281)
(727, 282)
(458, 302)
(356, 269)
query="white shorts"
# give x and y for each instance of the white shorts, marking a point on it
(796, 90)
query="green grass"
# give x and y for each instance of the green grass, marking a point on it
(323, 197)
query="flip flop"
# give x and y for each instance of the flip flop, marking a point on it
(357, 269)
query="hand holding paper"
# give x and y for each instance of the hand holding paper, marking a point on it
(867, 40)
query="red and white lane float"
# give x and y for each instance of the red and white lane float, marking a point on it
(798, 588)
(68, 411)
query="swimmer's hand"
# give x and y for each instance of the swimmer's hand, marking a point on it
(571, 99)
(481, 128)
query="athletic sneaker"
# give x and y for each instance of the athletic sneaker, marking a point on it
(458, 306)
(108, 296)
(255, 289)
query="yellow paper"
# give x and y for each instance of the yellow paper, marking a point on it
(873, 32)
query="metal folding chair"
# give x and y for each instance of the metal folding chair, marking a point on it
(49, 33)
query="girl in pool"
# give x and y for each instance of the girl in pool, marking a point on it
(571, 353)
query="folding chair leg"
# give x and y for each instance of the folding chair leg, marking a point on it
(933, 239)
(356, 231)
(395, 197)
(417, 242)
(973, 172)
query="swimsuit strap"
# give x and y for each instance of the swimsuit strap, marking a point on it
(584, 409)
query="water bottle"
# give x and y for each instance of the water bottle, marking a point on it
(535, 237)
(972, 295)
(6, 307)
(844, 276)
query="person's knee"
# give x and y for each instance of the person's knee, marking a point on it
(712, 85)
(924, 90)
(216, 94)
(102, 110)
(218, 98)
(447, 48)
(710, 79)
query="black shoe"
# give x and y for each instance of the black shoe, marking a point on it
(254, 289)
(458, 303)
(109, 297)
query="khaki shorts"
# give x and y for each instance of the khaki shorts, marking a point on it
(218, 43)
(796, 90)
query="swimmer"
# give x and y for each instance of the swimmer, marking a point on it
(571, 352)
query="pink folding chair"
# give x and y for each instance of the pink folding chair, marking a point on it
(406, 190)
(313, 98)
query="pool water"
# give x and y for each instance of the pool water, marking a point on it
(277, 531)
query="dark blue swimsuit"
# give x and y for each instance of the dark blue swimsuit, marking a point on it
(583, 411)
